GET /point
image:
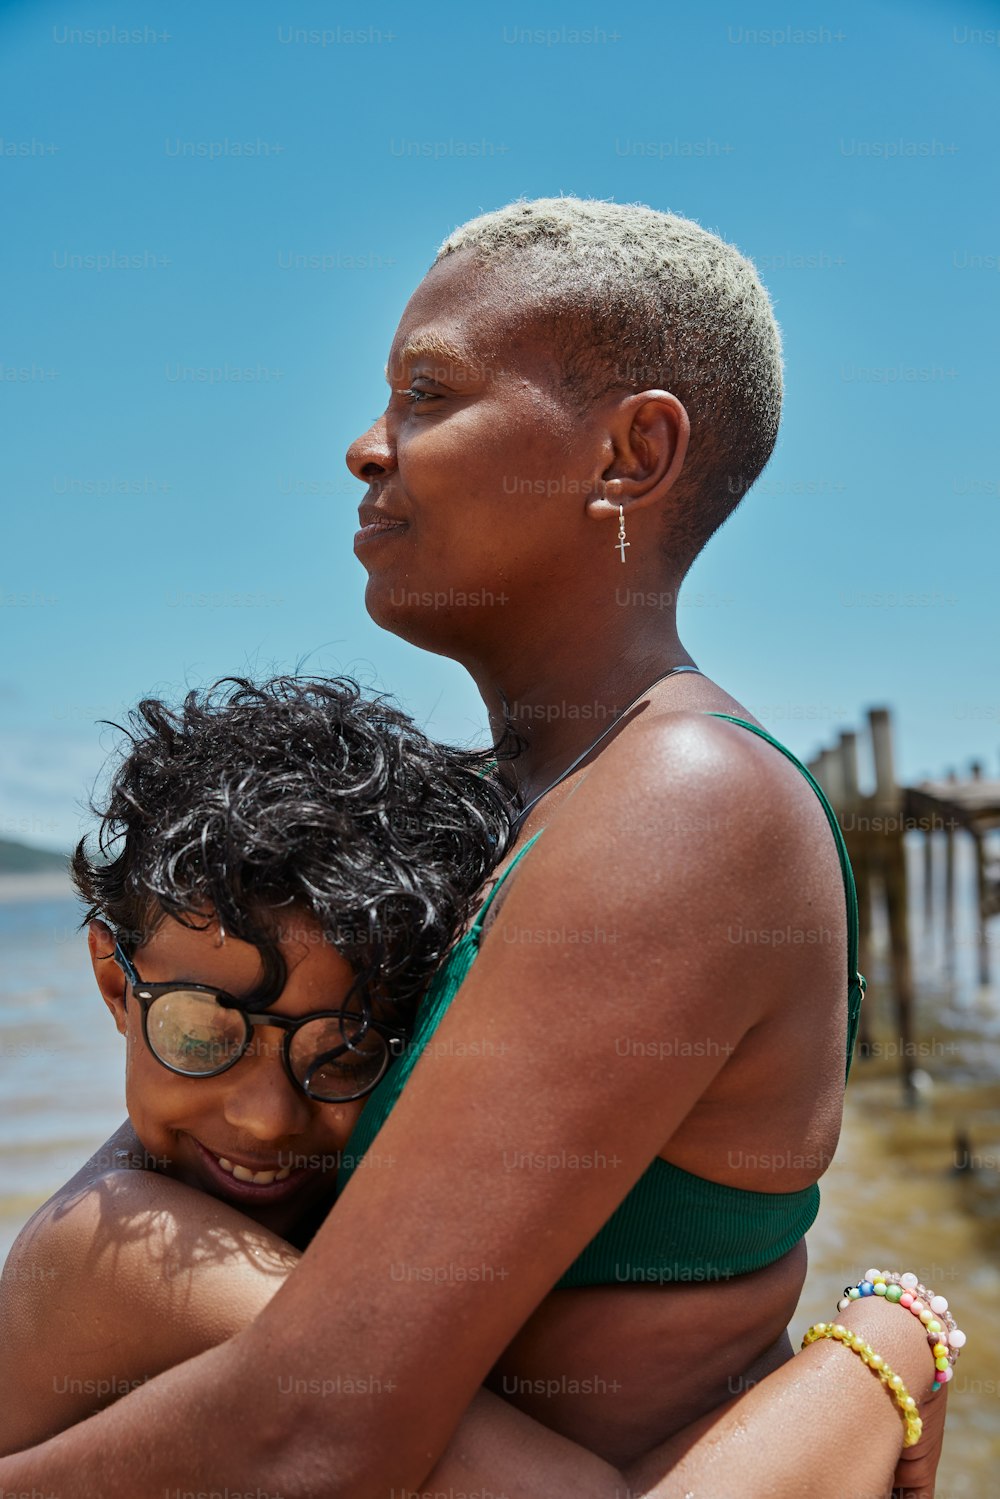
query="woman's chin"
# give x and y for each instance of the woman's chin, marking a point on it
(447, 620)
(403, 610)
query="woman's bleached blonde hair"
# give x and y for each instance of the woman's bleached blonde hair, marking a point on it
(636, 299)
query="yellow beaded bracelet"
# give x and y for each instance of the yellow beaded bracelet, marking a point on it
(893, 1382)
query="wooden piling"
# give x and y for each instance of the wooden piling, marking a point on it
(981, 890)
(891, 857)
(874, 828)
(949, 901)
(835, 773)
(845, 797)
(849, 761)
(886, 790)
(861, 864)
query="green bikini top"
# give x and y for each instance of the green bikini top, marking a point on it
(673, 1226)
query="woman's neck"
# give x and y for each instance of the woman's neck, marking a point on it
(561, 699)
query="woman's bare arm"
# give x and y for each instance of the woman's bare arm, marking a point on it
(452, 1246)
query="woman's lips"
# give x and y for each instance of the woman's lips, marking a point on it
(227, 1184)
(375, 530)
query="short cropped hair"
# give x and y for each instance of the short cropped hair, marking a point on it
(639, 299)
(251, 799)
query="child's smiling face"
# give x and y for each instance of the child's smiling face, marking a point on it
(251, 1121)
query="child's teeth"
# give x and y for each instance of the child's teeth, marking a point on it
(258, 1178)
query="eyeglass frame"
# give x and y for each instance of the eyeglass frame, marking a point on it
(147, 994)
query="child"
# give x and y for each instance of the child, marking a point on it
(280, 869)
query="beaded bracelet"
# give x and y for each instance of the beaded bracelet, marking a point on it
(892, 1381)
(946, 1338)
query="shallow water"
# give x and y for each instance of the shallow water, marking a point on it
(919, 1187)
(892, 1198)
(61, 1058)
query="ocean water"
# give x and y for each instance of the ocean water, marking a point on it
(61, 1058)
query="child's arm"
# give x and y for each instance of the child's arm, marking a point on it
(115, 1280)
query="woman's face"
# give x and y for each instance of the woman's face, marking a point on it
(478, 471)
(248, 1135)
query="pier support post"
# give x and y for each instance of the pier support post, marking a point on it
(888, 803)
(981, 904)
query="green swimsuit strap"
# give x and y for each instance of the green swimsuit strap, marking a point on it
(855, 980)
(476, 929)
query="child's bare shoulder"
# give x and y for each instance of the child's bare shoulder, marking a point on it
(121, 1274)
(61, 1312)
(123, 1235)
(54, 1250)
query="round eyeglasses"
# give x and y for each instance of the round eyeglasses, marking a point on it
(196, 1030)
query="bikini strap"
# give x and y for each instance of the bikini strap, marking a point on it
(856, 980)
(477, 925)
(674, 671)
(584, 754)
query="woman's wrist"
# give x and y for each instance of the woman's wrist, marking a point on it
(904, 1289)
(898, 1337)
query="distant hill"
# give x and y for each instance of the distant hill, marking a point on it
(20, 858)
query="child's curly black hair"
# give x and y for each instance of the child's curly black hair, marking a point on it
(296, 791)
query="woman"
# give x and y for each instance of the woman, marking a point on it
(522, 469)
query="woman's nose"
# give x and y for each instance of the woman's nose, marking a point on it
(260, 1099)
(373, 454)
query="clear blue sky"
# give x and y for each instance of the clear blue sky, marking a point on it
(161, 531)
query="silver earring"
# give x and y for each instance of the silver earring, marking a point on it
(621, 543)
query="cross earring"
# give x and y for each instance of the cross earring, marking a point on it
(621, 543)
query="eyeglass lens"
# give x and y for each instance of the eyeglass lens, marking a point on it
(332, 1058)
(193, 1032)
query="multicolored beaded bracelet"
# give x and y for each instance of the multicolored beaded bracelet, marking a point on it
(892, 1381)
(946, 1339)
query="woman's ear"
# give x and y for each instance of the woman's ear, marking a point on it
(110, 979)
(649, 432)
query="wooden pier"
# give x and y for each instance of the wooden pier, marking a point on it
(875, 826)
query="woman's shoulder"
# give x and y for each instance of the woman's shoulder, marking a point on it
(686, 829)
(692, 760)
